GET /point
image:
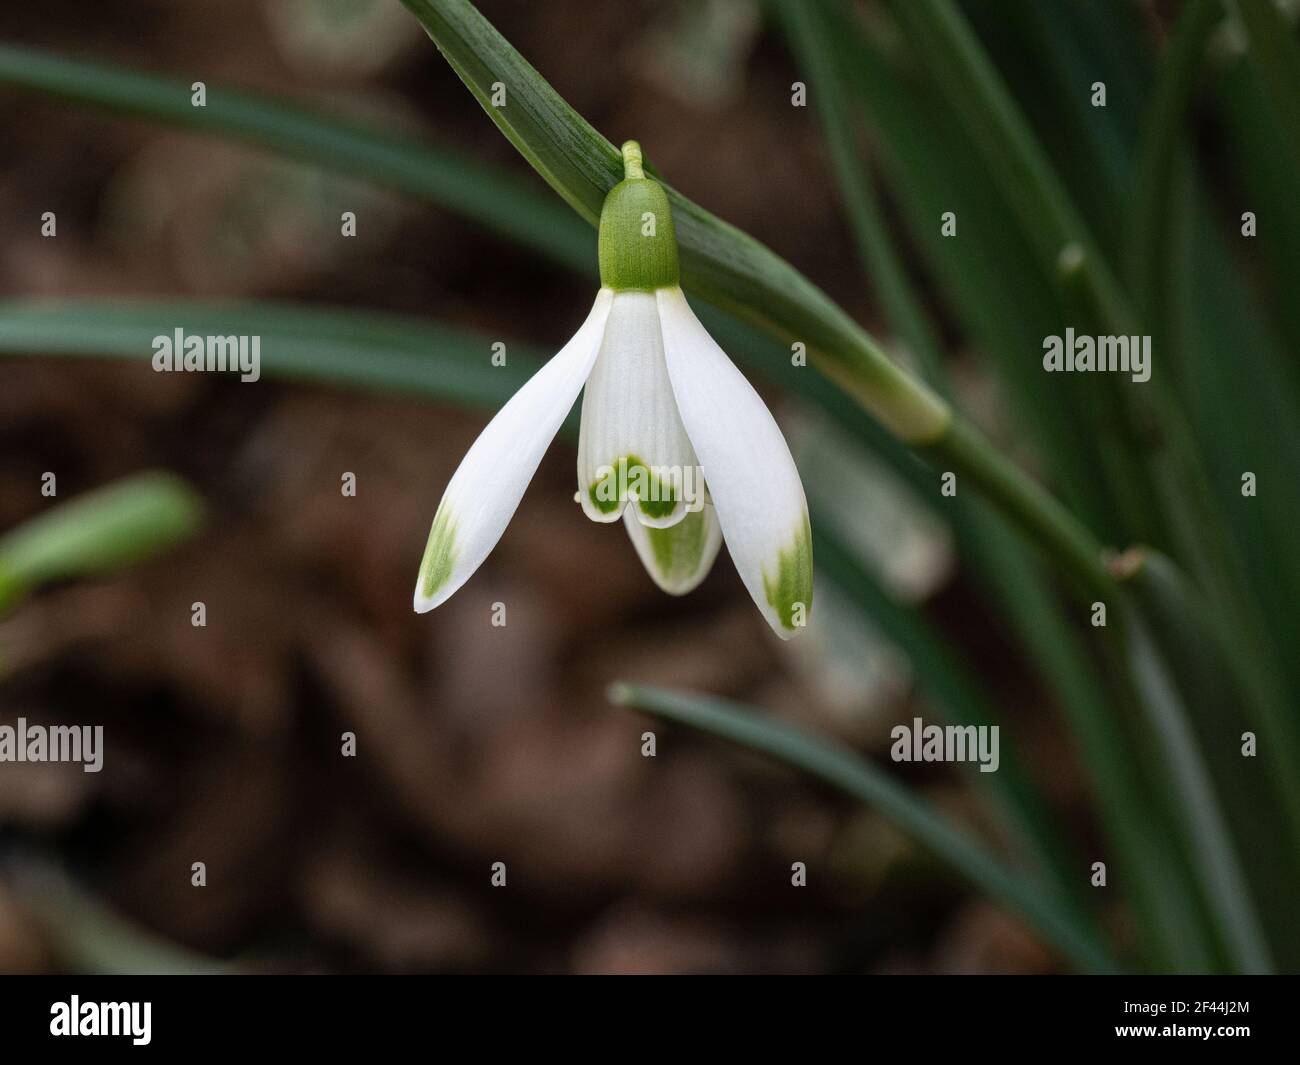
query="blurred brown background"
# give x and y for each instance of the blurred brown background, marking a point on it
(475, 744)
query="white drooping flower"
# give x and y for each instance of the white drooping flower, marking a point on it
(673, 439)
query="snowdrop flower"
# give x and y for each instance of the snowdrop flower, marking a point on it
(674, 440)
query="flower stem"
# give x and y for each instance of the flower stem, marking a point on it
(1040, 516)
(633, 168)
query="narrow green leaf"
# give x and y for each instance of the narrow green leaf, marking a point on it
(361, 348)
(933, 167)
(1052, 53)
(88, 937)
(814, 38)
(810, 33)
(842, 768)
(1180, 67)
(500, 202)
(1269, 179)
(1274, 49)
(102, 531)
(961, 698)
(1210, 679)
(1208, 841)
(1148, 866)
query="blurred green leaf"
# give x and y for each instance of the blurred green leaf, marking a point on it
(1274, 49)
(812, 29)
(102, 531)
(933, 167)
(1209, 677)
(361, 348)
(961, 698)
(91, 938)
(501, 202)
(1214, 853)
(1051, 53)
(845, 770)
(1269, 179)
(1190, 296)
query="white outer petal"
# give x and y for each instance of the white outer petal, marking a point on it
(685, 571)
(628, 409)
(486, 488)
(751, 476)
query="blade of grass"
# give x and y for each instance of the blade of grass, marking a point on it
(843, 769)
(808, 30)
(973, 86)
(1150, 869)
(1051, 53)
(385, 352)
(1180, 67)
(374, 350)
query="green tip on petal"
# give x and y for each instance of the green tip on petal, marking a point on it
(439, 554)
(677, 550)
(789, 591)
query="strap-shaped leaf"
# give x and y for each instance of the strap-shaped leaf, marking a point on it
(498, 200)
(842, 768)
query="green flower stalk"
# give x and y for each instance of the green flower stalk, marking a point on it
(673, 440)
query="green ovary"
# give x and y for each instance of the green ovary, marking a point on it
(789, 592)
(630, 477)
(439, 554)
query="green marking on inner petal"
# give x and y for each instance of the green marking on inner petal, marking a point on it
(439, 553)
(604, 493)
(630, 476)
(677, 549)
(789, 593)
